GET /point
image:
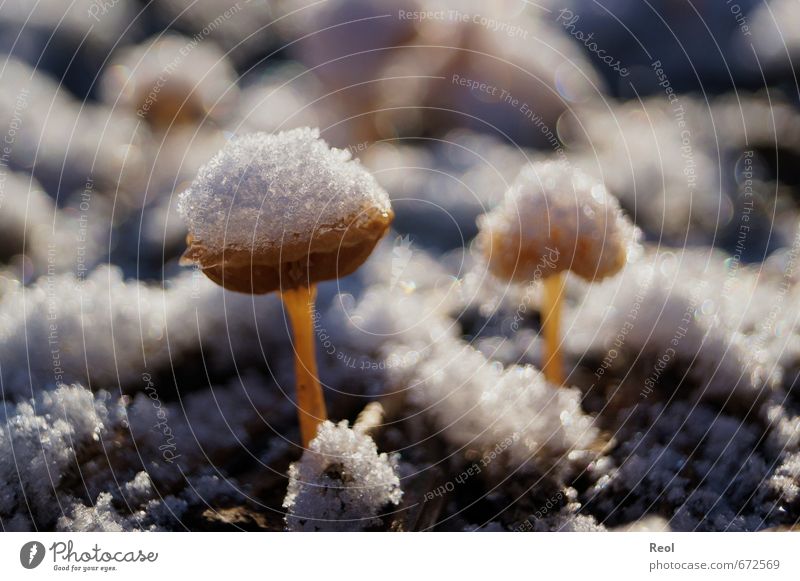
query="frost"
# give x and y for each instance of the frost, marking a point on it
(697, 467)
(263, 189)
(569, 523)
(341, 483)
(39, 443)
(675, 312)
(100, 517)
(474, 400)
(479, 403)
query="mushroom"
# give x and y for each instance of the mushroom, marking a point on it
(171, 80)
(282, 212)
(553, 219)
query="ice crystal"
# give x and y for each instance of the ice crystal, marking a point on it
(341, 483)
(263, 189)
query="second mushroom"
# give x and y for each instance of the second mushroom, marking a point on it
(553, 219)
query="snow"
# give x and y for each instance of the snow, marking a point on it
(676, 310)
(262, 190)
(341, 483)
(136, 328)
(635, 149)
(698, 467)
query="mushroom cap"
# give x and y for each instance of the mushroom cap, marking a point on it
(278, 211)
(172, 79)
(556, 218)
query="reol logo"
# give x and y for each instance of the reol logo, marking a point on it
(31, 554)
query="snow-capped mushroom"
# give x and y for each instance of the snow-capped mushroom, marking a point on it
(172, 80)
(281, 213)
(555, 218)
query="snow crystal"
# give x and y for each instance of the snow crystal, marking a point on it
(100, 517)
(568, 522)
(478, 403)
(341, 483)
(263, 189)
(135, 329)
(691, 464)
(39, 443)
(675, 310)
(555, 219)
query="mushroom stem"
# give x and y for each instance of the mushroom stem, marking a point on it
(552, 366)
(299, 303)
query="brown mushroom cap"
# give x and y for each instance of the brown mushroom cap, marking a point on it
(330, 256)
(274, 212)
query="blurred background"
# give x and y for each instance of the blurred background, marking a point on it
(121, 101)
